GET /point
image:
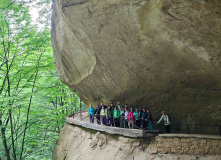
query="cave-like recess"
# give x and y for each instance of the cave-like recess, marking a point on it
(158, 54)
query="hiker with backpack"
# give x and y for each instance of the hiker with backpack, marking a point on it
(137, 118)
(126, 118)
(97, 114)
(131, 119)
(112, 110)
(165, 118)
(91, 112)
(109, 116)
(150, 120)
(116, 117)
(144, 119)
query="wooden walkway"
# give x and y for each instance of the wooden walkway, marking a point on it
(108, 129)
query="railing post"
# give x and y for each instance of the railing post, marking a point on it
(106, 137)
(90, 134)
(142, 144)
(66, 111)
(73, 114)
(220, 130)
(188, 130)
(80, 111)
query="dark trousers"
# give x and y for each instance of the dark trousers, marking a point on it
(167, 128)
(91, 118)
(144, 123)
(137, 123)
(122, 121)
(102, 119)
(109, 121)
(98, 119)
(112, 121)
(126, 123)
(116, 122)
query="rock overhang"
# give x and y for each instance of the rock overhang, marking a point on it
(160, 54)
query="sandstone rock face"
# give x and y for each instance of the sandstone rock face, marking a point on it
(84, 144)
(78, 143)
(159, 54)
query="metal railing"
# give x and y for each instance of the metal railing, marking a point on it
(192, 128)
(175, 127)
(76, 109)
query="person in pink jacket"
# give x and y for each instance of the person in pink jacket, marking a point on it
(131, 118)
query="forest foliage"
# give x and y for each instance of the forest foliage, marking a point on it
(33, 99)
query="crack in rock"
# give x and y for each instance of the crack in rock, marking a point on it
(68, 3)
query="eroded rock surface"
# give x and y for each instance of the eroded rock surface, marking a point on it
(161, 54)
(77, 143)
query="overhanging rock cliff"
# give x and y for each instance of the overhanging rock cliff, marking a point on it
(161, 54)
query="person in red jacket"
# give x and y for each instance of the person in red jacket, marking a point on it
(131, 118)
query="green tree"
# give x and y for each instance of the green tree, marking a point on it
(33, 100)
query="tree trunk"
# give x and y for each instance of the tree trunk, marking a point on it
(4, 141)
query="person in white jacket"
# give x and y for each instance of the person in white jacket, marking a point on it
(166, 120)
(126, 118)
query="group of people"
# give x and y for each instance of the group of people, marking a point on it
(123, 117)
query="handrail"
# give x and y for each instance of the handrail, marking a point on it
(172, 124)
(189, 126)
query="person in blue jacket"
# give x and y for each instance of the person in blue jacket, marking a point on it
(97, 114)
(91, 112)
(144, 119)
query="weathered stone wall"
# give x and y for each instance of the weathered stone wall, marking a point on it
(188, 145)
(81, 143)
(192, 144)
